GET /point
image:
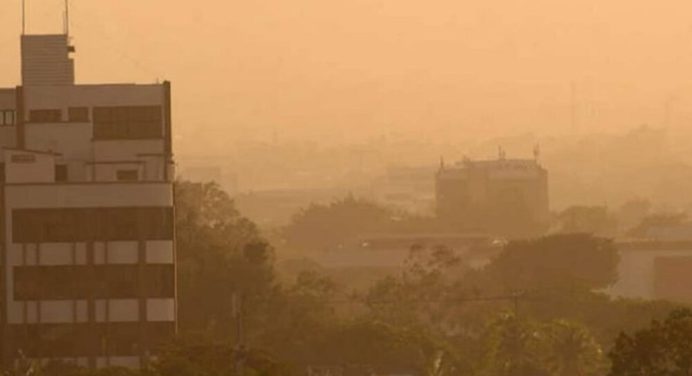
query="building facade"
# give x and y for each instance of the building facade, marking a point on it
(654, 269)
(506, 197)
(86, 214)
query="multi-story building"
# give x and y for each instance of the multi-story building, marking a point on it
(507, 197)
(86, 225)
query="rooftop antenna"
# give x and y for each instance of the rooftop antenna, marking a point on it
(67, 17)
(23, 17)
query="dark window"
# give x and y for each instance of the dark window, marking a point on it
(127, 175)
(120, 224)
(2, 172)
(27, 283)
(98, 281)
(159, 281)
(78, 114)
(60, 173)
(45, 116)
(128, 123)
(88, 224)
(6, 117)
(117, 281)
(23, 158)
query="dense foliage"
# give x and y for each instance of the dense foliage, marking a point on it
(534, 310)
(664, 348)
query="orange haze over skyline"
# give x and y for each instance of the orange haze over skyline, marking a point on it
(351, 70)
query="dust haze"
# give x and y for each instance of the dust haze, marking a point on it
(397, 187)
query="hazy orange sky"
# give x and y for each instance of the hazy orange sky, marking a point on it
(352, 69)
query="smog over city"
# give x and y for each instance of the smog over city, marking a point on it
(345, 188)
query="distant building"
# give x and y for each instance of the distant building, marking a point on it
(407, 188)
(86, 215)
(654, 270)
(507, 197)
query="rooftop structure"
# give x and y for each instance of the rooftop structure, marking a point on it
(86, 214)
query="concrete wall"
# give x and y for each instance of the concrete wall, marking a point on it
(637, 272)
(29, 167)
(63, 97)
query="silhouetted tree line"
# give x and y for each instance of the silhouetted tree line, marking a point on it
(536, 309)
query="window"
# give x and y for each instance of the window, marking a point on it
(78, 114)
(159, 281)
(117, 282)
(70, 282)
(87, 224)
(6, 117)
(23, 158)
(45, 116)
(127, 175)
(2, 172)
(60, 173)
(121, 224)
(128, 123)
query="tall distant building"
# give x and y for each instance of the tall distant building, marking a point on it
(86, 214)
(506, 197)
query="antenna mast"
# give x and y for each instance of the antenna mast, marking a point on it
(67, 17)
(23, 17)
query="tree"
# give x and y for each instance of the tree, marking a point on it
(297, 317)
(632, 212)
(563, 261)
(518, 346)
(571, 350)
(511, 347)
(219, 252)
(327, 227)
(595, 220)
(422, 293)
(25, 367)
(664, 348)
(204, 356)
(654, 221)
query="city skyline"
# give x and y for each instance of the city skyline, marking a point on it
(448, 70)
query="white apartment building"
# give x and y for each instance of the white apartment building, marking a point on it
(86, 226)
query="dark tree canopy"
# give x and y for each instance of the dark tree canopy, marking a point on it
(662, 349)
(325, 227)
(596, 220)
(219, 252)
(557, 262)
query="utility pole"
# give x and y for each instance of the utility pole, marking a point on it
(515, 349)
(516, 295)
(239, 351)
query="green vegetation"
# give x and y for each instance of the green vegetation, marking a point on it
(534, 310)
(664, 348)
